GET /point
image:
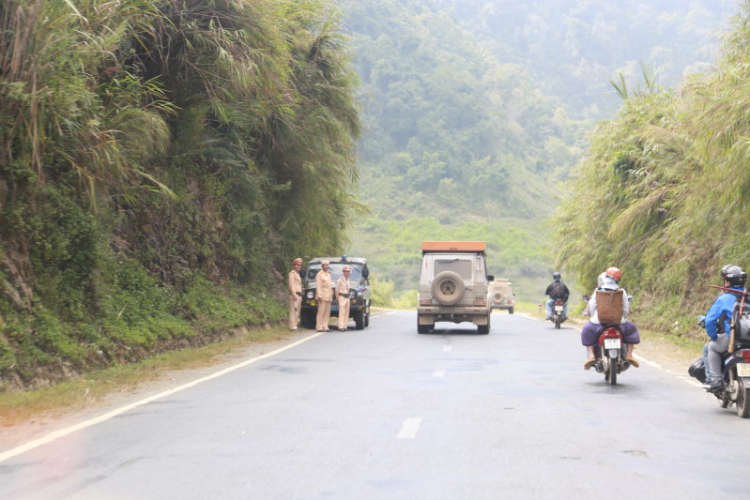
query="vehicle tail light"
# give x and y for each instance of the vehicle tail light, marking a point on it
(744, 354)
(611, 333)
(424, 302)
(480, 302)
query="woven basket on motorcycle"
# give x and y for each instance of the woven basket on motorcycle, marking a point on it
(609, 306)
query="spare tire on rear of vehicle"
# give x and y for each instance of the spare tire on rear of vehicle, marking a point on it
(497, 297)
(448, 288)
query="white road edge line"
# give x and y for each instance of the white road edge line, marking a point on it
(88, 423)
(409, 428)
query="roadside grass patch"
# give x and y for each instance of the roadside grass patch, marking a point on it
(95, 386)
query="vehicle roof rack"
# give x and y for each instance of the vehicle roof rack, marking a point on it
(453, 246)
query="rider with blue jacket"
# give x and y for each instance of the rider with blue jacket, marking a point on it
(717, 325)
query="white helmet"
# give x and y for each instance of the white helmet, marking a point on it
(609, 283)
(600, 280)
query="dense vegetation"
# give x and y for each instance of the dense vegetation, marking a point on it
(161, 162)
(475, 112)
(158, 162)
(664, 192)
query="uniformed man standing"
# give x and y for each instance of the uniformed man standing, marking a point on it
(295, 294)
(342, 295)
(324, 296)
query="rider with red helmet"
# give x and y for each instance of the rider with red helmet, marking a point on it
(593, 328)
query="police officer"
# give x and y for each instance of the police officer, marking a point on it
(324, 296)
(295, 294)
(342, 295)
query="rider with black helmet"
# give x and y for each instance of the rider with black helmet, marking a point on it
(557, 290)
(717, 324)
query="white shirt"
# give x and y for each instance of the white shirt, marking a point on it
(625, 305)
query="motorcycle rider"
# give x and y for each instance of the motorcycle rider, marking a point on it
(717, 325)
(557, 290)
(592, 329)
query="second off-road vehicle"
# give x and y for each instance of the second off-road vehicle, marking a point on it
(454, 285)
(501, 295)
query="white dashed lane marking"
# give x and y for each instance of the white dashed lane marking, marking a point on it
(438, 373)
(409, 428)
(447, 348)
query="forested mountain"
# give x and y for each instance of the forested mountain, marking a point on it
(475, 112)
(158, 165)
(572, 48)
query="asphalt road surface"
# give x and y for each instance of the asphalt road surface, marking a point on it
(386, 413)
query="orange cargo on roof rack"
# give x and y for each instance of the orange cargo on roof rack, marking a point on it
(453, 246)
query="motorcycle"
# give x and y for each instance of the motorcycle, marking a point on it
(610, 353)
(557, 313)
(735, 363)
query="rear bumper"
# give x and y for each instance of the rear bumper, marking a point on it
(432, 314)
(502, 306)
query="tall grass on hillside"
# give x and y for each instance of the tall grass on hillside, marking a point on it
(663, 193)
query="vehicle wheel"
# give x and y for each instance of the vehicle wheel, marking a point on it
(359, 320)
(743, 405)
(448, 288)
(611, 373)
(510, 310)
(424, 328)
(307, 319)
(367, 316)
(485, 329)
(558, 321)
(497, 297)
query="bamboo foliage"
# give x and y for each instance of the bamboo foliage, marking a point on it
(240, 111)
(664, 191)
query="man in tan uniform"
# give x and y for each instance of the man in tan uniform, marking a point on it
(295, 294)
(342, 294)
(324, 296)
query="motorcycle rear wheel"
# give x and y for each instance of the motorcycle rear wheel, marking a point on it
(611, 372)
(558, 320)
(743, 405)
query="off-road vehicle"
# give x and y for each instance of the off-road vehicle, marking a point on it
(360, 292)
(501, 295)
(454, 285)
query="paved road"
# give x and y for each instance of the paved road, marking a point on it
(386, 413)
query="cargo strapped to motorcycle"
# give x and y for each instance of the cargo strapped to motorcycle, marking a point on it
(609, 306)
(739, 330)
(741, 323)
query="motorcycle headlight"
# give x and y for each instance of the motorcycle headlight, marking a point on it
(310, 295)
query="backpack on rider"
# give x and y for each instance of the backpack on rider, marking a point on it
(558, 291)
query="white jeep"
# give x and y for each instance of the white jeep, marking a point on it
(501, 295)
(454, 285)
